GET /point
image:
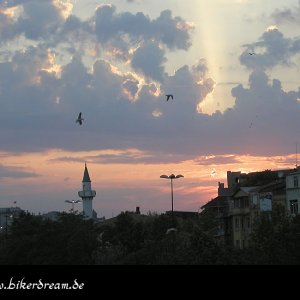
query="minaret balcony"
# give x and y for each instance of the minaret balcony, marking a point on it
(87, 194)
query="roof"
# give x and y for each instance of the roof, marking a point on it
(86, 176)
(264, 177)
(272, 186)
(244, 191)
(216, 202)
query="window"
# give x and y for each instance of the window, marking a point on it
(247, 202)
(248, 222)
(236, 203)
(237, 223)
(295, 181)
(242, 223)
(294, 207)
(237, 244)
(254, 201)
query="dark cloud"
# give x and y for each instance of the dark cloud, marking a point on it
(110, 25)
(51, 24)
(271, 50)
(117, 123)
(38, 19)
(287, 15)
(148, 59)
(125, 110)
(15, 172)
(119, 115)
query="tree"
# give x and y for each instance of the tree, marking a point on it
(35, 240)
(274, 239)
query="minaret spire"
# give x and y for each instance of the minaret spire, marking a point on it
(86, 176)
(87, 194)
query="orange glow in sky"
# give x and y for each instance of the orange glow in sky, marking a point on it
(138, 182)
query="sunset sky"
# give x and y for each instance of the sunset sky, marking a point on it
(115, 61)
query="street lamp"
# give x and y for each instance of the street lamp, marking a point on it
(171, 177)
(73, 203)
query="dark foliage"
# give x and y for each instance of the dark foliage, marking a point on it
(33, 240)
(132, 240)
(275, 240)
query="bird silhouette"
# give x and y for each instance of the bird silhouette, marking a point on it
(169, 96)
(251, 53)
(79, 119)
(213, 172)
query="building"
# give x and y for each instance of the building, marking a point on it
(217, 208)
(258, 193)
(293, 192)
(247, 197)
(240, 216)
(87, 195)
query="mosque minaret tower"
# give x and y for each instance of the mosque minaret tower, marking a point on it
(87, 194)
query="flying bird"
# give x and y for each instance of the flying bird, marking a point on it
(213, 172)
(79, 119)
(169, 96)
(251, 53)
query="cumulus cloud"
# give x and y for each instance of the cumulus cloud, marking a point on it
(173, 32)
(123, 102)
(271, 50)
(7, 24)
(134, 38)
(36, 19)
(149, 60)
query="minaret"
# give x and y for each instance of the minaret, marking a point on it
(87, 194)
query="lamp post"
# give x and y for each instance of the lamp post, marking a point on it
(73, 203)
(171, 177)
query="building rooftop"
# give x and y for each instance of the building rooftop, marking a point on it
(219, 201)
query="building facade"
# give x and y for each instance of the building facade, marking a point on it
(293, 193)
(248, 196)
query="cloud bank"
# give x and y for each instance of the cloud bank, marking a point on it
(117, 78)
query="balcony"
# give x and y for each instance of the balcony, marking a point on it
(87, 194)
